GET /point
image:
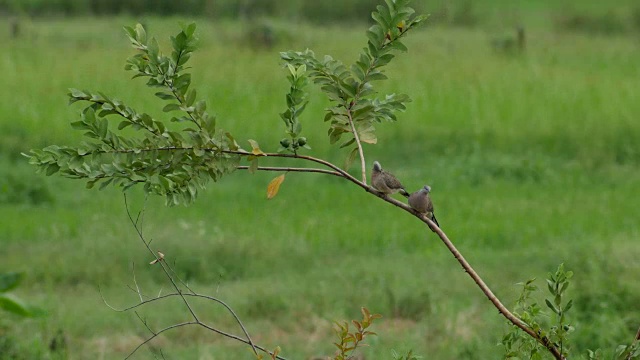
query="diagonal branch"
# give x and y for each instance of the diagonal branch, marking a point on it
(450, 246)
(476, 278)
(454, 251)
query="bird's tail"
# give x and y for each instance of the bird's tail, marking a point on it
(433, 217)
(404, 193)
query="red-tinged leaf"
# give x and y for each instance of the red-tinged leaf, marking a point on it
(365, 312)
(357, 324)
(274, 186)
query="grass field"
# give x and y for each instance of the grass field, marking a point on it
(533, 159)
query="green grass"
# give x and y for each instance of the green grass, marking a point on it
(533, 160)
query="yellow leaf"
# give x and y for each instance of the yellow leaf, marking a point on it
(255, 148)
(274, 186)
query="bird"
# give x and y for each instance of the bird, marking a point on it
(385, 182)
(421, 202)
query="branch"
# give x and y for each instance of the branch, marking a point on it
(179, 293)
(360, 152)
(454, 251)
(289, 169)
(476, 278)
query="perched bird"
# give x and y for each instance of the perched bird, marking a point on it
(421, 202)
(385, 182)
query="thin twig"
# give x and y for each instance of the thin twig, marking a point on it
(290, 169)
(235, 316)
(144, 322)
(360, 152)
(155, 334)
(133, 270)
(162, 263)
(167, 269)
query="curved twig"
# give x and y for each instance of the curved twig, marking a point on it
(192, 295)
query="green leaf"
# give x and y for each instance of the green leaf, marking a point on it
(353, 154)
(368, 137)
(9, 281)
(165, 96)
(80, 125)
(13, 305)
(140, 34)
(52, 169)
(551, 306)
(191, 97)
(253, 167)
(171, 107)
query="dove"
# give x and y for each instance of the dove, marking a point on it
(385, 182)
(421, 202)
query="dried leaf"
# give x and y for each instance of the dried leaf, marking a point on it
(274, 186)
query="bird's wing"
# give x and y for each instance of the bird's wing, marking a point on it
(429, 204)
(392, 182)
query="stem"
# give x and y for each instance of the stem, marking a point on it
(360, 152)
(290, 169)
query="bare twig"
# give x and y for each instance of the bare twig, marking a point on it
(360, 152)
(133, 270)
(168, 270)
(162, 263)
(235, 316)
(155, 334)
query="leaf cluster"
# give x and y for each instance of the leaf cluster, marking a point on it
(296, 103)
(355, 108)
(141, 149)
(349, 341)
(516, 343)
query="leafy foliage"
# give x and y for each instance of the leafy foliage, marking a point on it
(296, 103)
(356, 109)
(351, 340)
(516, 343)
(171, 163)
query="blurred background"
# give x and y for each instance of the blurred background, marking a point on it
(524, 121)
